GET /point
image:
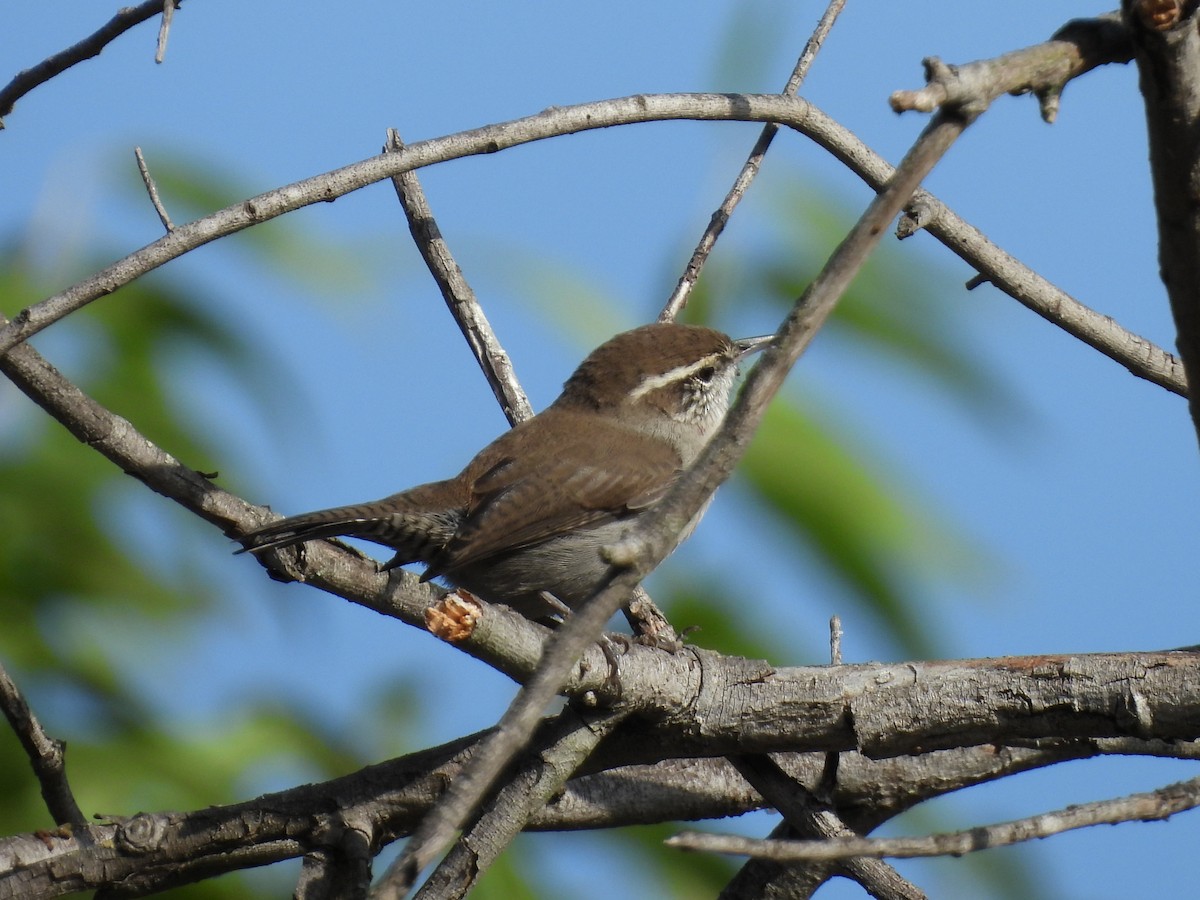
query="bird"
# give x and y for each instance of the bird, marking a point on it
(524, 523)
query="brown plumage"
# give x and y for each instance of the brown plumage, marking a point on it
(530, 513)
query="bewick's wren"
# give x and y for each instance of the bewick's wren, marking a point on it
(524, 522)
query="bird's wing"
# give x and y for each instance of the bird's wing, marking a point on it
(518, 503)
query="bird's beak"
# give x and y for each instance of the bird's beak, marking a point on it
(746, 346)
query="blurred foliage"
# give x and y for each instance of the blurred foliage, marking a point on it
(191, 188)
(77, 609)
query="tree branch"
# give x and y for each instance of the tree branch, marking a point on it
(553, 122)
(25, 81)
(152, 188)
(164, 28)
(1043, 70)
(570, 740)
(1139, 356)
(456, 291)
(1168, 60)
(1151, 806)
(46, 754)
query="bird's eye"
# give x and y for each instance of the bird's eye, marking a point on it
(706, 375)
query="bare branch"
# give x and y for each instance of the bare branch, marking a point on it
(1138, 355)
(460, 298)
(337, 873)
(691, 273)
(164, 28)
(155, 851)
(1168, 62)
(1151, 806)
(44, 752)
(90, 46)
(152, 188)
(556, 121)
(1043, 70)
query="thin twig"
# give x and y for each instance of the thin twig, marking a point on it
(691, 273)
(456, 291)
(1150, 806)
(835, 640)
(44, 752)
(829, 774)
(152, 188)
(164, 29)
(90, 46)
(651, 540)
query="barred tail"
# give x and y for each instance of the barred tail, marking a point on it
(351, 521)
(415, 523)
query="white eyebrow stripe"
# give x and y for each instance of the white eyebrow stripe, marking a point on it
(654, 382)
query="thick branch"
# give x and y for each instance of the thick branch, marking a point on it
(1169, 74)
(155, 851)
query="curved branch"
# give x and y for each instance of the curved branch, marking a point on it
(789, 111)
(1141, 357)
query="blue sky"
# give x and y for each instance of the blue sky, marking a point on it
(1088, 503)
